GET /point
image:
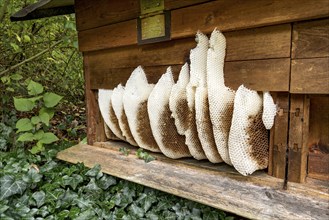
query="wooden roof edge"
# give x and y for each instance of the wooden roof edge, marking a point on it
(44, 8)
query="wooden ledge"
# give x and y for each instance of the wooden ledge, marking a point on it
(258, 196)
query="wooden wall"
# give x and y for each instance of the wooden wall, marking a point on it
(277, 46)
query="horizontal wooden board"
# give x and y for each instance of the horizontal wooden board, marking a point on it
(238, 14)
(114, 35)
(258, 196)
(311, 39)
(259, 43)
(261, 75)
(92, 14)
(310, 76)
(110, 78)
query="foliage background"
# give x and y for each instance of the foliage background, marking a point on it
(59, 69)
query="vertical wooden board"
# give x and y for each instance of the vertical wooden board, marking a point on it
(311, 39)
(279, 136)
(318, 139)
(310, 76)
(298, 135)
(237, 14)
(95, 123)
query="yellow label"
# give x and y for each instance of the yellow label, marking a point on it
(153, 27)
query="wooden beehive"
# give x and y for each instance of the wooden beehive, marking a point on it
(276, 46)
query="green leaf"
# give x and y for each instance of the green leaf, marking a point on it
(24, 124)
(10, 186)
(35, 120)
(48, 138)
(124, 151)
(94, 171)
(210, 215)
(72, 181)
(34, 88)
(51, 99)
(16, 77)
(39, 198)
(26, 137)
(140, 153)
(26, 38)
(136, 211)
(32, 176)
(24, 105)
(106, 181)
(44, 118)
(49, 111)
(37, 148)
(15, 47)
(39, 134)
(33, 99)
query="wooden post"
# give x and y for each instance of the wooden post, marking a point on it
(298, 137)
(279, 137)
(95, 123)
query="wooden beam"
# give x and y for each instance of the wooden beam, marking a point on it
(95, 123)
(93, 14)
(311, 39)
(258, 196)
(298, 138)
(279, 137)
(310, 76)
(239, 14)
(260, 75)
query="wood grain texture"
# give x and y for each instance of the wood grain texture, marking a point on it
(258, 196)
(318, 166)
(110, 78)
(318, 138)
(92, 14)
(298, 137)
(95, 123)
(240, 14)
(310, 76)
(279, 134)
(260, 75)
(311, 39)
(114, 35)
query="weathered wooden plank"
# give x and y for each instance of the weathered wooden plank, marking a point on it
(92, 14)
(298, 137)
(279, 134)
(114, 35)
(311, 39)
(95, 123)
(259, 43)
(261, 75)
(239, 14)
(318, 138)
(259, 195)
(318, 165)
(110, 78)
(310, 76)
